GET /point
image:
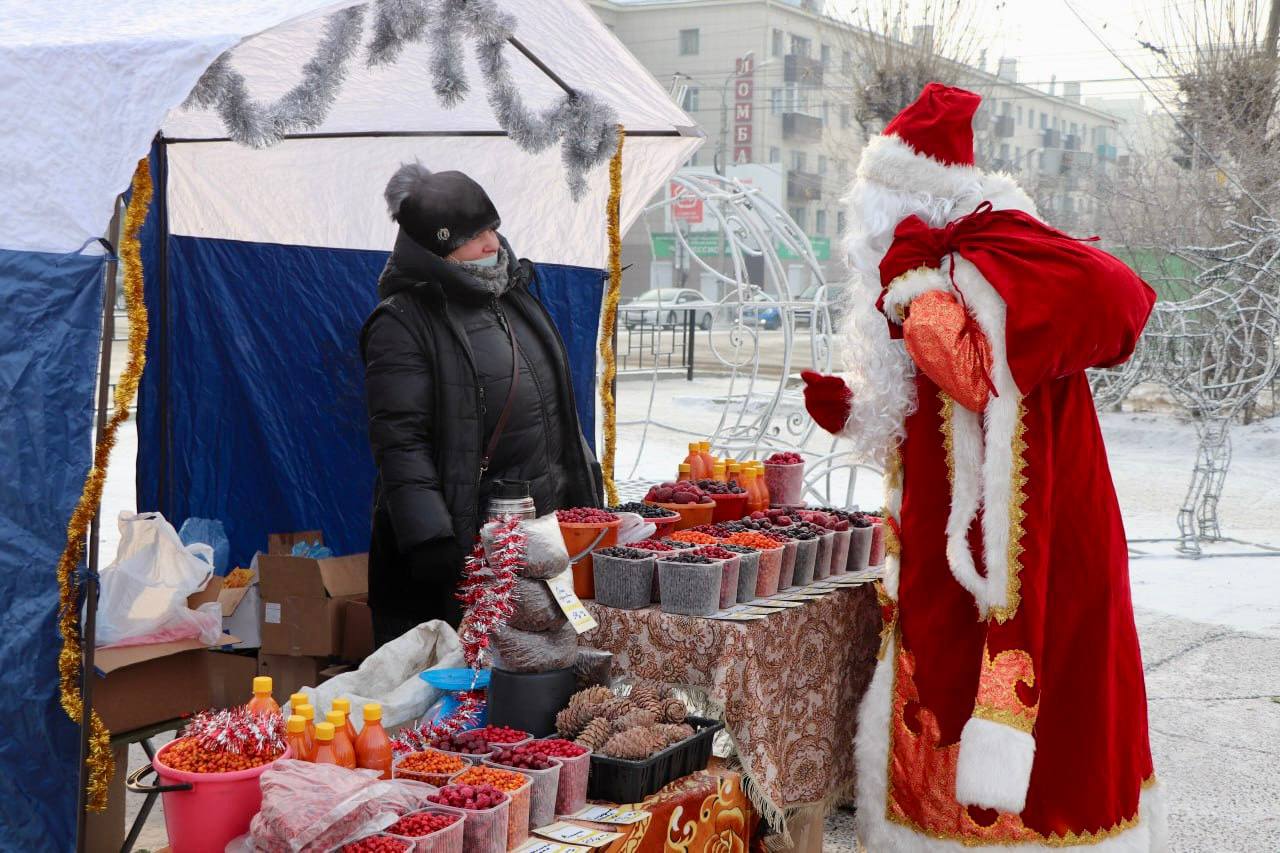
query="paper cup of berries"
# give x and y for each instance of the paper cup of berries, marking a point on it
(517, 786)
(379, 842)
(575, 771)
(690, 584)
(784, 477)
(431, 766)
(433, 830)
(663, 520)
(684, 497)
(531, 760)
(748, 570)
(729, 578)
(485, 811)
(584, 529)
(623, 577)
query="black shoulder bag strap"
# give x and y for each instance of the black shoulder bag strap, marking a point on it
(506, 407)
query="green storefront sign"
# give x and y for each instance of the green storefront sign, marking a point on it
(707, 244)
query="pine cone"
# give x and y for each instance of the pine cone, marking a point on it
(674, 733)
(639, 718)
(615, 708)
(572, 720)
(591, 697)
(673, 711)
(595, 734)
(644, 693)
(634, 744)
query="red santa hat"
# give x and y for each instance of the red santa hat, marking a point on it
(928, 147)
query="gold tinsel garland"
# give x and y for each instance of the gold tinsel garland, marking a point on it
(100, 763)
(609, 322)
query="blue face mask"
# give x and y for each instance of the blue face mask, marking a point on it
(486, 261)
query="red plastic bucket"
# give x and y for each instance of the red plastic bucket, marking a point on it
(217, 809)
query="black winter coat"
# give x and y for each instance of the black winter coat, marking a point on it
(437, 369)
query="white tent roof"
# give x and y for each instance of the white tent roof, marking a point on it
(86, 96)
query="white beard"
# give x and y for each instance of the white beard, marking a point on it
(877, 369)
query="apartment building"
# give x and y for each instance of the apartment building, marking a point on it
(769, 82)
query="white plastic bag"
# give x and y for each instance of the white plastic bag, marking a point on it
(634, 528)
(144, 592)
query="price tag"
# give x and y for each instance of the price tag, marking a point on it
(574, 834)
(271, 613)
(610, 814)
(540, 845)
(562, 588)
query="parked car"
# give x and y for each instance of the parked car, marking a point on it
(768, 318)
(816, 295)
(664, 306)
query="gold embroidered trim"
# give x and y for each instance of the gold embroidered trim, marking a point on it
(893, 472)
(948, 436)
(888, 617)
(1004, 717)
(1017, 497)
(892, 544)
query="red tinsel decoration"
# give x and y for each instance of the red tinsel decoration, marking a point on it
(486, 590)
(465, 716)
(239, 732)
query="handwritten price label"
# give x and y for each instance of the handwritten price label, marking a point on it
(578, 616)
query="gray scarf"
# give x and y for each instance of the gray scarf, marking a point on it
(496, 279)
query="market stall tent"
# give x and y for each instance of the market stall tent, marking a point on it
(260, 267)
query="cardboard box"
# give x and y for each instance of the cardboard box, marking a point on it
(230, 678)
(304, 599)
(104, 832)
(290, 673)
(241, 610)
(357, 630)
(144, 685)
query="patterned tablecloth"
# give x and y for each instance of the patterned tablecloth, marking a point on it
(707, 812)
(789, 686)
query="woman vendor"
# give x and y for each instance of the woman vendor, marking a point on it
(467, 382)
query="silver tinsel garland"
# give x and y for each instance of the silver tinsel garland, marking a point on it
(585, 126)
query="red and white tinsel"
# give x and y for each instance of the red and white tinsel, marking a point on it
(465, 716)
(238, 731)
(486, 590)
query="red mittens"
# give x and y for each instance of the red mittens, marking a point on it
(828, 400)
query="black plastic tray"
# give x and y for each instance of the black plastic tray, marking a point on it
(616, 780)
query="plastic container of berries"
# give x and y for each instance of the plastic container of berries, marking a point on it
(519, 801)
(748, 570)
(729, 507)
(732, 563)
(784, 475)
(484, 830)
(417, 827)
(806, 556)
(664, 521)
(402, 766)
(822, 562)
(575, 773)
(876, 558)
(690, 585)
(840, 551)
(379, 842)
(623, 577)
(542, 791)
(860, 544)
(585, 529)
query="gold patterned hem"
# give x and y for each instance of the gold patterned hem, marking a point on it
(947, 415)
(1005, 717)
(1017, 498)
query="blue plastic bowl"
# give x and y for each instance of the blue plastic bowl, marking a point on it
(453, 682)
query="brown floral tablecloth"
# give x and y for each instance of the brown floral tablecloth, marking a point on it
(788, 686)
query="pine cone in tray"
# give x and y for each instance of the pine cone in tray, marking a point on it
(591, 697)
(595, 734)
(673, 711)
(674, 733)
(615, 708)
(639, 718)
(644, 693)
(634, 744)
(572, 720)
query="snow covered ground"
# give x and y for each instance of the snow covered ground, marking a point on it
(1210, 628)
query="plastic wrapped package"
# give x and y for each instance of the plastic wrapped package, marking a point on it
(309, 806)
(535, 607)
(593, 666)
(210, 532)
(545, 554)
(526, 651)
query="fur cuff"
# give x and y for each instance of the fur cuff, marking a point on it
(994, 768)
(906, 287)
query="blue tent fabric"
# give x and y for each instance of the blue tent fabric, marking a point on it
(49, 336)
(252, 406)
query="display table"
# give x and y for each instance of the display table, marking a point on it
(788, 686)
(707, 812)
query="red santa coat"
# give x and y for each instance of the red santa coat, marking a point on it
(1009, 707)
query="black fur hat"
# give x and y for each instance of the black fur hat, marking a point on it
(439, 210)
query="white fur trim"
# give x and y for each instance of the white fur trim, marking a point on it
(878, 834)
(1004, 193)
(994, 767)
(1001, 420)
(966, 497)
(890, 161)
(906, 287)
